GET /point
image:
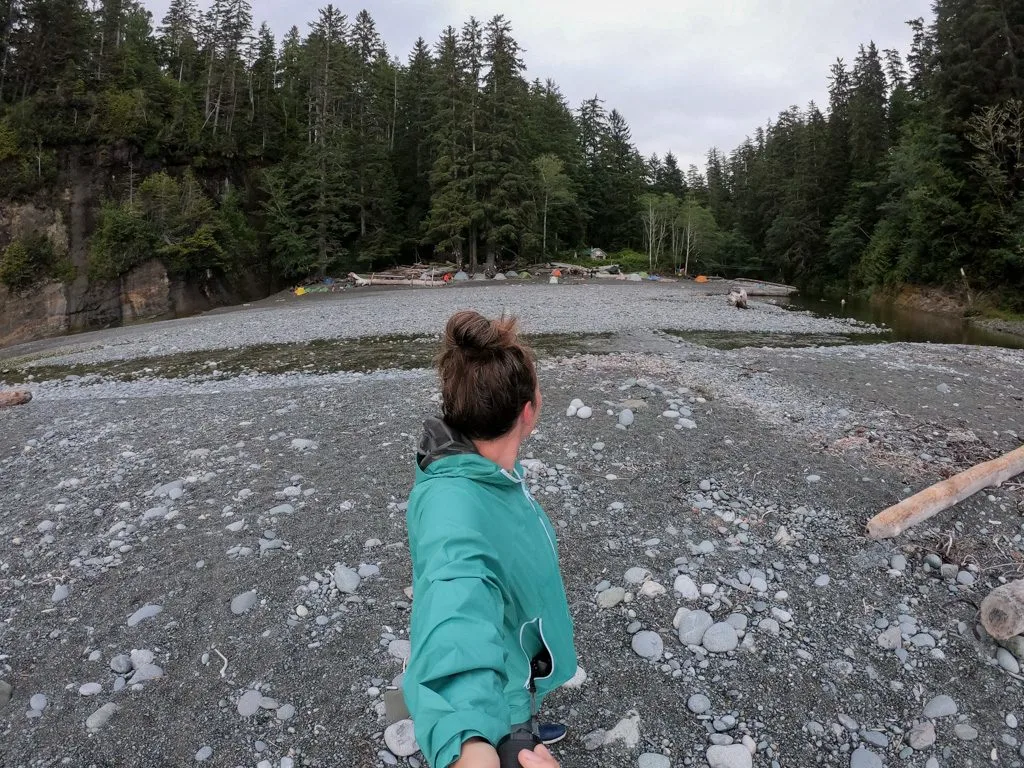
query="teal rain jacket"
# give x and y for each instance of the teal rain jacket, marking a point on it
(487, 598)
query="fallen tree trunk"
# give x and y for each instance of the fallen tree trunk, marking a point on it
(394, 280)
(934, 499)
(1002, 612)
(14, 397)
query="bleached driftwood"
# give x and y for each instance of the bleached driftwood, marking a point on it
(14, 397)
(1002, 612)
(934, 499)
(376, 279)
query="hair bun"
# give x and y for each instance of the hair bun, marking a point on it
(468, 330)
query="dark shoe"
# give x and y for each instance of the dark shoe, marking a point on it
(551, 733)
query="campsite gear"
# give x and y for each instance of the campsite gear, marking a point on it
(490, 615)
(553, 280)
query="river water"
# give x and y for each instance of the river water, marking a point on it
(907, 324)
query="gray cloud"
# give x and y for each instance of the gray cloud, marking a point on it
(686, 74)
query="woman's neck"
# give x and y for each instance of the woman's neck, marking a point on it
(504, 451)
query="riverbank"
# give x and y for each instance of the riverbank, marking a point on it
(169, 545)
(955, 304)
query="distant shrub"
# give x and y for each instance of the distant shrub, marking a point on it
(28, 261)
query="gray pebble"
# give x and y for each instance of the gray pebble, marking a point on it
(653, 760)
(626, 418)
(6, 690)
(965, 732)
(823, 581)
(204, 754)
(400, 649)
(693, 625)
(876, 738)
(891, 639)
(698, 703)
(865, 758)
(898, 562)
(147, 611)
(38, 702)
(60, 593)
(732, 756)
(965, 578)
(922, 736)
(720, 638)
(121, 664)
(940, 706)
(249, 703)
(611, 597)
(244, 602)
(285, 712)
(648, 645)
(99, 718)
(90, 689)
(1007, 661)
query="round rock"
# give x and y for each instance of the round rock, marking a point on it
(653, 760)
(922, 736)
(693, 625)
(732, 756)
(400, 649)
(242, 603)
(648, 645)
(400, 738)
(249, 703)
(626, 418)
(611, 597)
(100, 717)
(698, 703)
(637, 575)
(865, 758)
(204, 754)
(38, 702)
(686, 587)
(940, 706)
(720, 638)
(585, 412)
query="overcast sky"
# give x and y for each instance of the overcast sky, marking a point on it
(686, 74)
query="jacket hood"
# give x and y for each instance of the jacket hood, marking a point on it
(444, 451)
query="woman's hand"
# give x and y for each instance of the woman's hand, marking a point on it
(539, 758)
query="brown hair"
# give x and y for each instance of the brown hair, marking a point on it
(487, 375)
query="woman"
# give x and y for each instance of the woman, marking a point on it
(491, 633)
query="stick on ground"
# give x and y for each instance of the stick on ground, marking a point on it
(934, 499)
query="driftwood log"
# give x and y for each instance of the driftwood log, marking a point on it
(1002, 612)
(14, 397)
(936, 498)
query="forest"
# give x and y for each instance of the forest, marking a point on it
(323, 151)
